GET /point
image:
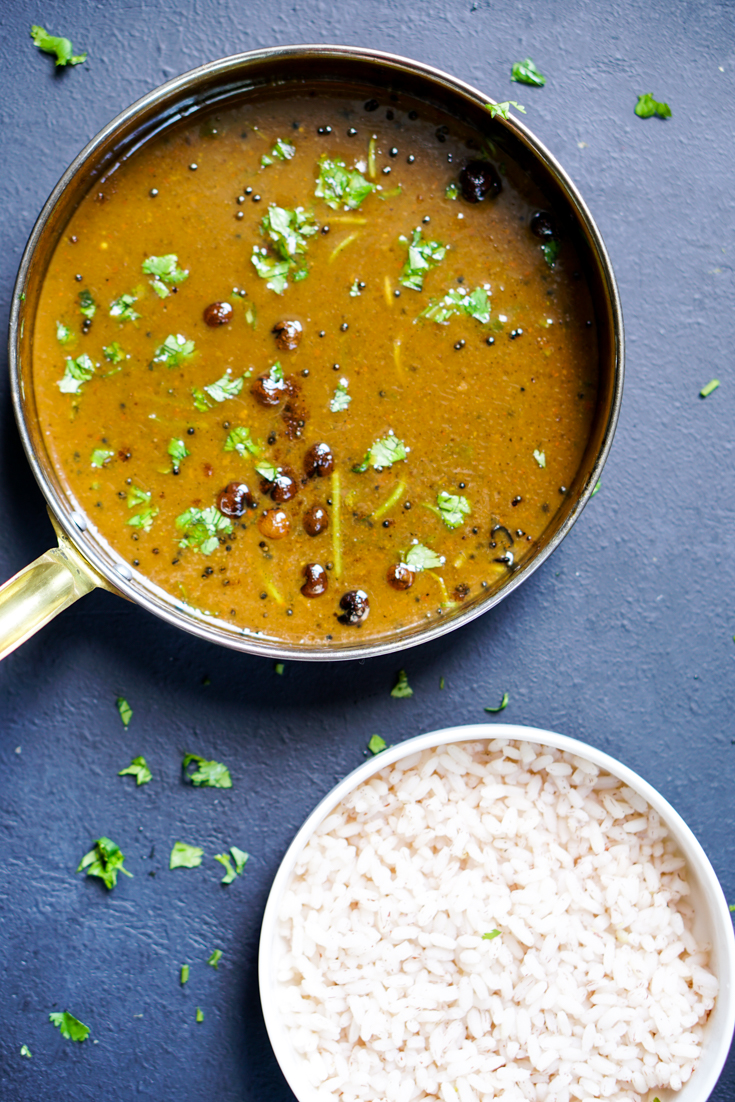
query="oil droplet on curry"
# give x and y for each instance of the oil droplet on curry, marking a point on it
(316, 365)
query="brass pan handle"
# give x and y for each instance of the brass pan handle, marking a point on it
(42, 590)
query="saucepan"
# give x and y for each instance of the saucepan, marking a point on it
(82, 560)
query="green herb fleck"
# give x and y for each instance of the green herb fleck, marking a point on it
(184, 974)
(138, 768)
(267, 470)
(165, 271)
(503, 704)
(540, 458)
(597, 487)
(441, 682)
(475, 304)
(25, 1051)
(453, 508)
(732, 908)
(136, 496)
(491, 935)
(143, 519)
(87, 305)
(114, 353)
(647, 106)
(525, 72)
(383, 453)
(64, 334)
(76, 372)
(282, 151)
(421, 558)
(202, 528)
(211, 774)
(279, 668)
(101, 456)
(184, 856)
(54, 44)
(174, 350)
(215, 958)
(70, 1027)
(126, 712)
(401, 690)
(219, 391)
(341, 398)
(104, 860)
(451, 191)
(178, 451)
(339, 184)
(200, 1014)
(240, 858)
(422, 257)
(122, 308)
(275, 271)
(240, 441)
(502, 109)
(707, 390)
(550, 250)
(288, 231)
(377, 744)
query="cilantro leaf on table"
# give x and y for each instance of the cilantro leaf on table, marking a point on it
(25, 1051)
(215, 958)
(138, 768)
(55, 44)
(711, 386)
(178, 451)
(64, 335)
(502, 109)
(240, 858)
(647, 107)
(70, 1027)
(122, 308)
(341, 399)
(219, 391)
(377, 744)
(165, 271)
(184, 974)
(422, 257)
(338, 184)
(525, 72)
(421, 558)
(113, 353)
(239, 440)
(202, 528)
(212, 774)
(200, 1015)
(383, 453)
(174, 350)
(503, 704)
(401, 690)
(184, 856)
(475, 304)
(104, 860)
(126, 712)
(76, 372)
(87, 305)
(453, 508)
(101, 456)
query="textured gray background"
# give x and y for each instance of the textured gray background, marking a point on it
(624, 638)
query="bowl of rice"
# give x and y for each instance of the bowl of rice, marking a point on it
(497, 913)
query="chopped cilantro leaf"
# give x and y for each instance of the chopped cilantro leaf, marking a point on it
(355, 291)
(123, 308)
(178, 451)
(647, 106)
(215, 958)
(491, 935)
(100, 456)
(732, 907)
(708, 389)
(76, 372)
(598, 484)
(503, 704)
(383, 453)
(550, 250)
(25, 1051)
(377, 744)
(451, 191)
(540, 458)
(339, 184)
(240, 441)
(279, 668)
(420, 558)
(174, 350)
(525, 72)
(104, 860)
(422, 257)
(240, 857)
(441, 682)
(218, 391)
(138, 768)
(288, 230)
(126, 712)
(341, 399)
(267, 470)
(276, 373)
(453, 508)
(114, 353)
(136, 496)
(265, 160)
(64, 334)
(165, 270)
(270, 268)
(502, 109)
(282, 151)
(230, 874)
(184, 976)
(70, 1027)
(212, 774)
(475, 304)
(200, 1015)
(87, 305)
(144, 519)
(60, 47)
(401, 690)
(202, 527)
(184, 856)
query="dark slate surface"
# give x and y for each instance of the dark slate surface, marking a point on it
(624, 638)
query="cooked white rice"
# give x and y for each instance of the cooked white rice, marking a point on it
(595, 987)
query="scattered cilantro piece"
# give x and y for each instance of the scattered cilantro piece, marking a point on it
(420, 558)
(200, 1014)
(230, 874)
(25, 1051)
(143, 519)
(451, 191)
(54, 44)
(339, 184)
(178, 451)
(240, 441)
(126, 712)
(280, 668)
(87, 305)
(240, 858)
(647, 106)
(707, 390)
(540, 458)
(219, 391)
(491, 935)
(270, 268)
(123, 308)
(165, 270)
(377, 744)
(597, 487)
(184, 974)
(76, 372)
(64, 334)
(113, 353)
(100, 456)
(503, 704)
(422, 257)
(355, 291)
(282, 151)
(550, 250)
(202, 528)
(441, 682)
(341, 398)
(215, 958)
(525, 72)
(267, 470)
(136, 496)
(104, 860)
(732, 907)
(383, 453)
(184, 856)
(213, 774)
(288, 230)
(401, 690)
(70, 1027)
(502, 109)
(174, 350)
(138, 768)
(475, 304)
(452, 508)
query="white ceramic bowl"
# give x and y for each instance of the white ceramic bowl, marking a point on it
(713, 922)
